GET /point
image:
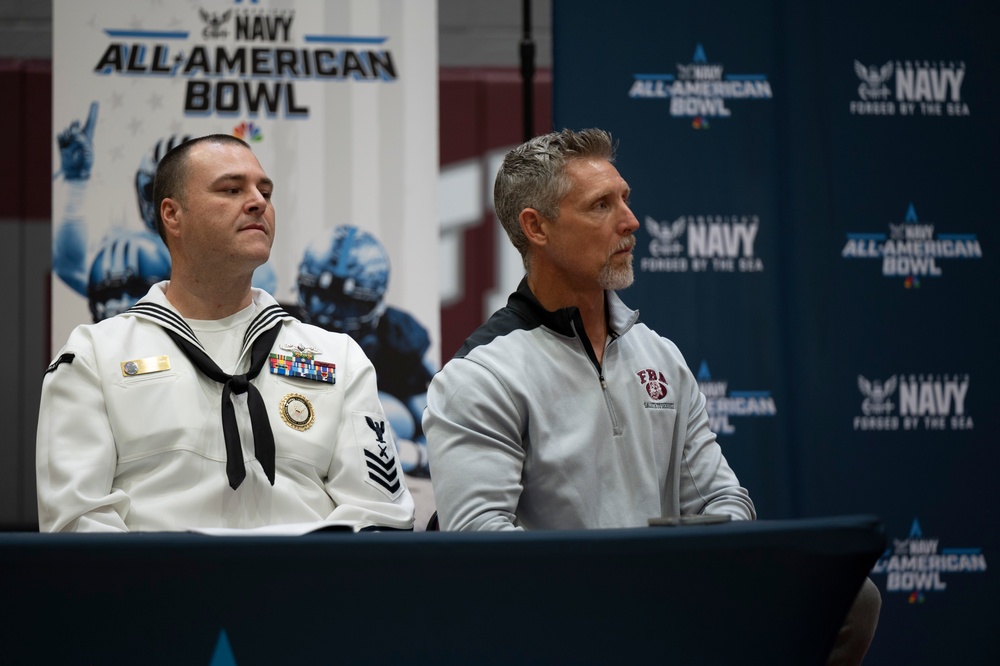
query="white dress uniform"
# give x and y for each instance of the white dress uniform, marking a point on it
(130, 432)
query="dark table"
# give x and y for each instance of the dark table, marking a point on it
(767, 592)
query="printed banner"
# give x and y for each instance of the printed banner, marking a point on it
(815, 184)
(338, 100)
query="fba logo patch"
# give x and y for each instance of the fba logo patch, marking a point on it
(656, 388)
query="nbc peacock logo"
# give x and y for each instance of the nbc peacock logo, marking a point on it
(249, 132)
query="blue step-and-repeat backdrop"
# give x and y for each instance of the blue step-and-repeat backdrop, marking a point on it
(817, 186)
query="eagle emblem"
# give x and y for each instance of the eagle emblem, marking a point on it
(214, 22)
(877, 395)
(665, 235)
(873, 80)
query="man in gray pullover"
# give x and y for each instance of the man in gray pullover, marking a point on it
(564, 411)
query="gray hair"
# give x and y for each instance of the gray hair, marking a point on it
(533, 175)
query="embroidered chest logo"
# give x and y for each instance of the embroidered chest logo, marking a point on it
(653, 382)
(656, 388)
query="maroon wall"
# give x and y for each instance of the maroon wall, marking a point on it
(26, 159)
(480, 111)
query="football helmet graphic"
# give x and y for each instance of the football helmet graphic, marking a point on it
(342, 280)
(147, 171)
(124, 268)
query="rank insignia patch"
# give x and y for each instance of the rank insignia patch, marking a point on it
(301, 366)
(378, 453)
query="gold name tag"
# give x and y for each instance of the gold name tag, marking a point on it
(143, 366)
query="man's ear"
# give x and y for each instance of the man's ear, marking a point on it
(169, 209)
(534, 225)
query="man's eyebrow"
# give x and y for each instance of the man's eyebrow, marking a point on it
(241, 178)
(612, 192)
